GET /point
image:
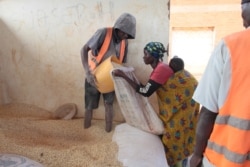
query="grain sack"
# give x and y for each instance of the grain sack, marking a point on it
(138, 148)
(135, 108)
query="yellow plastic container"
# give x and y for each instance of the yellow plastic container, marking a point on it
(104, 81)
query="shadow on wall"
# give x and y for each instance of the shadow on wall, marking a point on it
(27, 75)
(39, 64)
(19, 66)
(7, 54)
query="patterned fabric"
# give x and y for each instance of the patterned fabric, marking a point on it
(179, 113)
(156, 49)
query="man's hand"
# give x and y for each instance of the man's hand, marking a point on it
(195, 161)
(91, 78)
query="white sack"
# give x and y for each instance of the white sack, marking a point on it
(135, 108)
(138, 148)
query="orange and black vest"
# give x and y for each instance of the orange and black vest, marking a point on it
(95, 60)
(229, 143)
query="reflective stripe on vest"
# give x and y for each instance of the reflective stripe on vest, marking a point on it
(95, 60)
(229, 143)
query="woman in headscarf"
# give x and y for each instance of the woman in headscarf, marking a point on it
(174, 87)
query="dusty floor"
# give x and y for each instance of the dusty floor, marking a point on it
(31, 132)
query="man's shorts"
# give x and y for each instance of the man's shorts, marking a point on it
(92, 97)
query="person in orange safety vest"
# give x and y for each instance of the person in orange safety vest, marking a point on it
(106, 42)
(223, 130)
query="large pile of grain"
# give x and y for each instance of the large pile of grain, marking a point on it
(31, 132)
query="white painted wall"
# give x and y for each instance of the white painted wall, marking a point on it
(41, 40)
(194, 46)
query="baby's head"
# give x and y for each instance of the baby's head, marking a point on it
(177, 64)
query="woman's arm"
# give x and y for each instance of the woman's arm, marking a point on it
(145, 90)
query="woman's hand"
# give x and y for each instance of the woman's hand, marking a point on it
(118, 73)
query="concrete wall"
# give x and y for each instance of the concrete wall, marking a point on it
(222, 16)
(41, 40)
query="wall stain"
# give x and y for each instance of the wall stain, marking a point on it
(111, 10)
(15, 60)
(168, 4)
(13, 57)
(42, 18)
(1, 60)
(100, 9)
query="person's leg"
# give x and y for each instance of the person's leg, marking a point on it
(188, 160)
(108, 103)
(184, 162)
(92, 97)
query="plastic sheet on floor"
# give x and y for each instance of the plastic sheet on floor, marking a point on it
(13, 160)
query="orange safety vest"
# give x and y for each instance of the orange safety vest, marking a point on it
(95, 60)
(229, 143)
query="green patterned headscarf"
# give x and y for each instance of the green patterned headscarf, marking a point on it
(156, 49)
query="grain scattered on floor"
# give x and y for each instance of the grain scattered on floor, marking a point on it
(31, 131)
